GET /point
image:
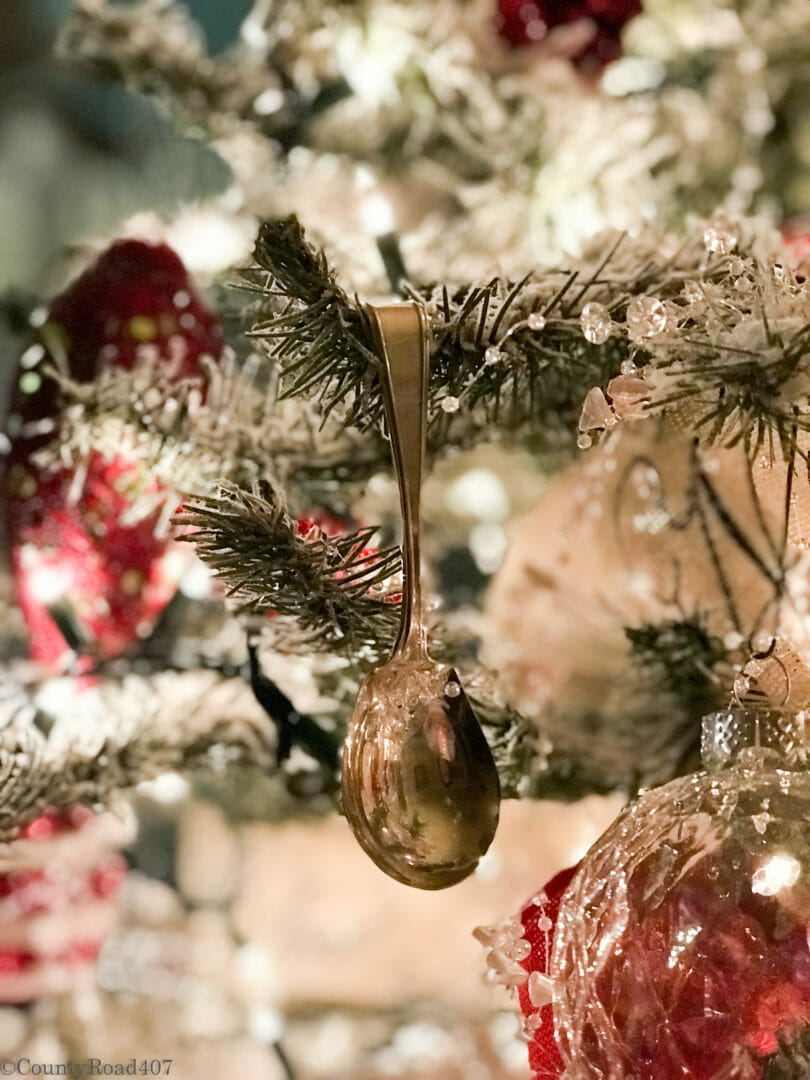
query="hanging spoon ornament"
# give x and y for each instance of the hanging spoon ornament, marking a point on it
(419, 784)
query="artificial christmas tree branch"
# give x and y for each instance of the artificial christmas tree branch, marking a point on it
(121, 733)
(720, 335)
(237, 431)
(155, 47)
(326, 584)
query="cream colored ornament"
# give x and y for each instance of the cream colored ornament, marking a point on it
(647, 528)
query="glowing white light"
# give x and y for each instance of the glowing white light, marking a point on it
(370, 60)
(254, 34)
(488, 547)
(378, 217)
(55, 694)
(779, 872)
(170, 787)
(206, 241)
(478, 493)
(207, 237)
(633, 75)
(265, 1025)
(197, 582)
(32, 356)
(268, 102)
(49, 583)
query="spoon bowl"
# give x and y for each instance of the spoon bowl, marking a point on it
(420, 788)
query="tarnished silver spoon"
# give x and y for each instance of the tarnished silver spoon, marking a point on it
(419, 785)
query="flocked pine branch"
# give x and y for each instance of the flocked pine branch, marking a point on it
(720, 333)
(225, 424)
(121, 733)
(509, 132)
(332, 588)
(155, 47)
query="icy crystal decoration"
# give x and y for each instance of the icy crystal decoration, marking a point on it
(506, 947)
(719, 241)
(629, 395)
(596, 323)
(647, 317)
(681, 947)
(596, 414)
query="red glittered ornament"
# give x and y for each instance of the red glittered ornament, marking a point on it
(135, 300)
(538, 920)
(87, 579)
(59, 889)
(529, 22)
(90, 563)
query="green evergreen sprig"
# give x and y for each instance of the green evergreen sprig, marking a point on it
(511, 360)
(322, 583)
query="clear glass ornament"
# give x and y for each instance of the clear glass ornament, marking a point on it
(419, 785)
(681, 948)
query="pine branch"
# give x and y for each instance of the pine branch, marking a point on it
(113, 737)
(723, 336)
(313, 330)
(325, 586)
(226, 424)
(154, 47)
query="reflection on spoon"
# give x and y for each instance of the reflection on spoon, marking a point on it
(420, 788)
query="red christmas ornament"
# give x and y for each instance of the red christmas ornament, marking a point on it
(135, 300)
(538, 920)
(682, 942)
(92, 577)
(59, 887)
(87, 580)
(528, 22)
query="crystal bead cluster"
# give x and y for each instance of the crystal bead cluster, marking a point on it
(506, 947)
